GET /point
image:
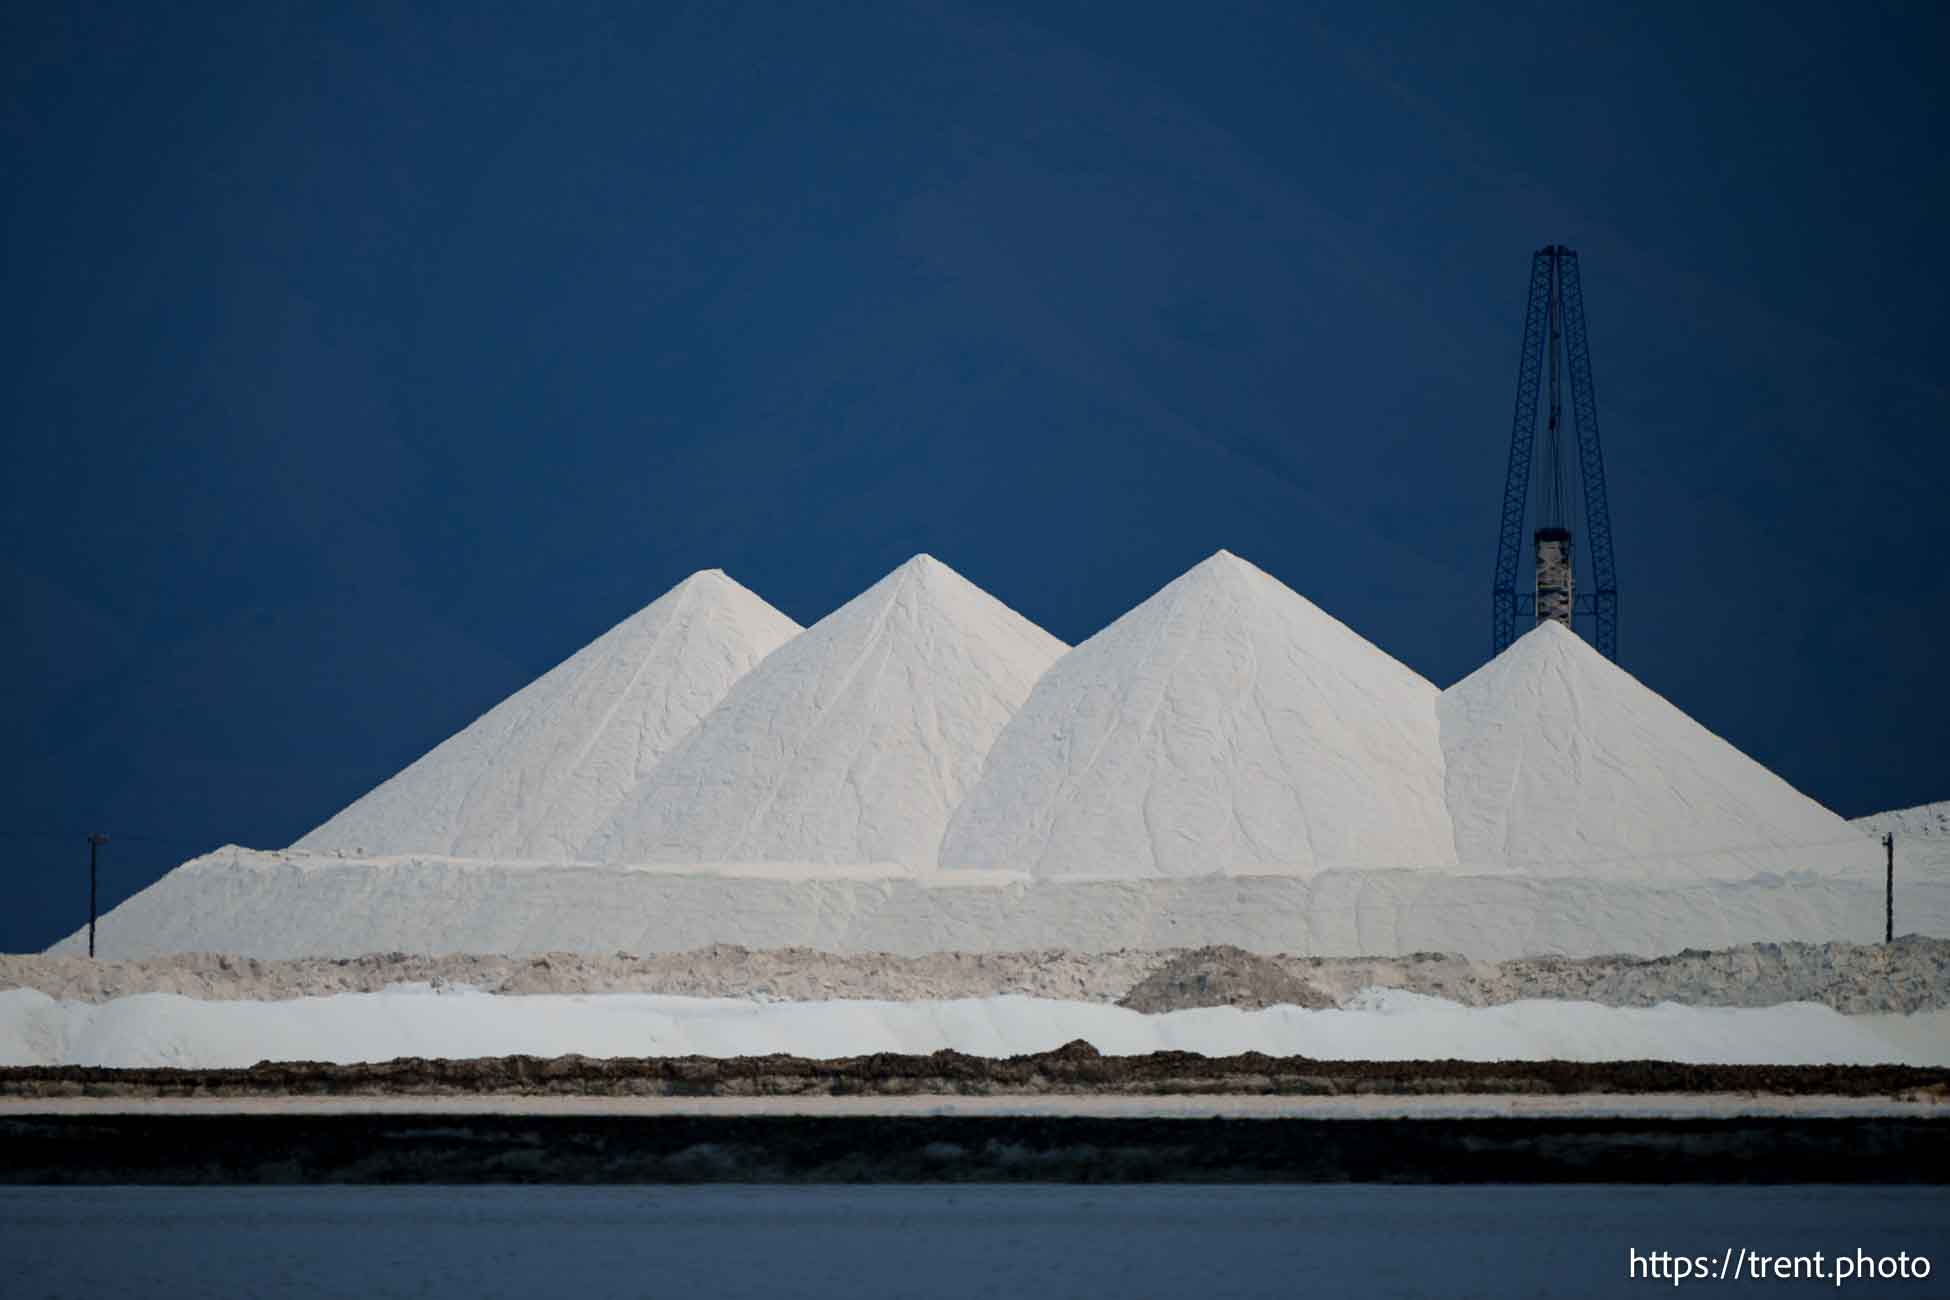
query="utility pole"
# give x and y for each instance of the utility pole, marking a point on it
(95, 840)
(1889, 888)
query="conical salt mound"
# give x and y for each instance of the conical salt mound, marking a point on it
(1224, 723)
(1561, 763)
(853, 743)
(537, 774)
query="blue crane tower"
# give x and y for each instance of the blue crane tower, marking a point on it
(1553, 327)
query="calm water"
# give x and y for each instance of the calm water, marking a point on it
(1127, 1242)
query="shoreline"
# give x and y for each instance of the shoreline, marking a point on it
(451, 1149)
(1368, 1106)
(1075, 1069)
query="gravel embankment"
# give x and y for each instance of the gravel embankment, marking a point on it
(1074, 1069)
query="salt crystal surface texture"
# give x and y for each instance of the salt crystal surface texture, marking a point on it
(853, 743)
(537, 774)
(1922, 843)
(1561, 763)
(1928, 821)
(1225, 723)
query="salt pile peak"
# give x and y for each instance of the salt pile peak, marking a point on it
(1226, 722)
(1561, 763)
(853, 743)
(538, 773)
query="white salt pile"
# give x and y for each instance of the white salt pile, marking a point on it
(1224, 764)
(163, 1029)
(1225, 723)
(853, 743)
(538, 774)
(1561, 763)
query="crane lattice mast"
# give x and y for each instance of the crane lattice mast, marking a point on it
(1554, 338)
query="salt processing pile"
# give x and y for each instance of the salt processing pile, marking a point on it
(1557, 758)
(924, 770)
(538, 773)
(852, 743)
(1225, 723)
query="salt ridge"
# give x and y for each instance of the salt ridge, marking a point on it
(292, 904)
(1928, 821)
(1922, 839)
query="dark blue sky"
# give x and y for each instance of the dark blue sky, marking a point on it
(364, 360)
